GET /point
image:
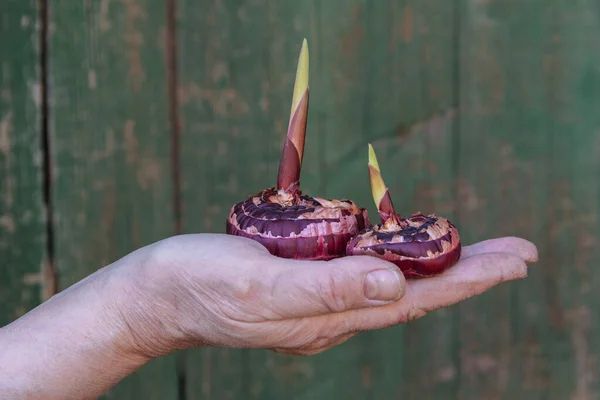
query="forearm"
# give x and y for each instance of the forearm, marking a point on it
(75, 345)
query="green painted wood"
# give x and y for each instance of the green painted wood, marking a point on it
(391, 70)
(110, 139)
(506, 142)
(529, 166)
(372, 78)
(22, 226)
(232, 103)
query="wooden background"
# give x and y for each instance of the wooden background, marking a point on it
(125, 121)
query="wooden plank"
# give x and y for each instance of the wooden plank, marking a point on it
(397, 92)
(371, 79)
(110, 137)
(489, 182)
(529, 166)
(22, 222)
(386, 75)
(235, 79)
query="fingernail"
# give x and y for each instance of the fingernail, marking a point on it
(383, 284)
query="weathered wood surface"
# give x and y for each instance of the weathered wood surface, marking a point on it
(482, 111)
(110, 140)
(530, 165)
(235, 81)
(22, 221)
(233, 86)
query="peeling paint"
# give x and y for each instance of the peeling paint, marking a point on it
(232, 184)
(109, 211)
(225, 102)
(130, 142)
(149, 172)
(134, 40)
(366, 376)
(476, 364)
(580, 320)
(407, 25)
(222, 148)
(5, 129)
(105, 24)
(437, 127)
(264, 104)
(35, 91)
(27, 217)
(108, 150)
(7, 223)
(92, 79)
(220, 70)
(292, 370)
(446, 374)
(33, 279)
(468, 197)
(81, 218)
(48, 287)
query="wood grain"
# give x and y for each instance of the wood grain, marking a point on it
(110, 137)
(400, 95)
(529, 88)
(235, 90)
(485, 112)
(22, 219)
(371, 79)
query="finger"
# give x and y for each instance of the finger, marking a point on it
(304, 289)
(513, 245)
(468, 278)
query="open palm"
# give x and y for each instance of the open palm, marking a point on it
(229, 291)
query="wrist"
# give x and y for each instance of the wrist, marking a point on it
(80, 333)
(146, 302)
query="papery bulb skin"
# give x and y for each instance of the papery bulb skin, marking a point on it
(286, 222)
(304, 228)
(421, 246)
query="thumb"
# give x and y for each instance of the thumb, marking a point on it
(304, 289)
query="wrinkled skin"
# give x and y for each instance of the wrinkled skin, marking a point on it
(253, 299)
(219, 290)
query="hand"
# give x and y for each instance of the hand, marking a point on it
(218, 290)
